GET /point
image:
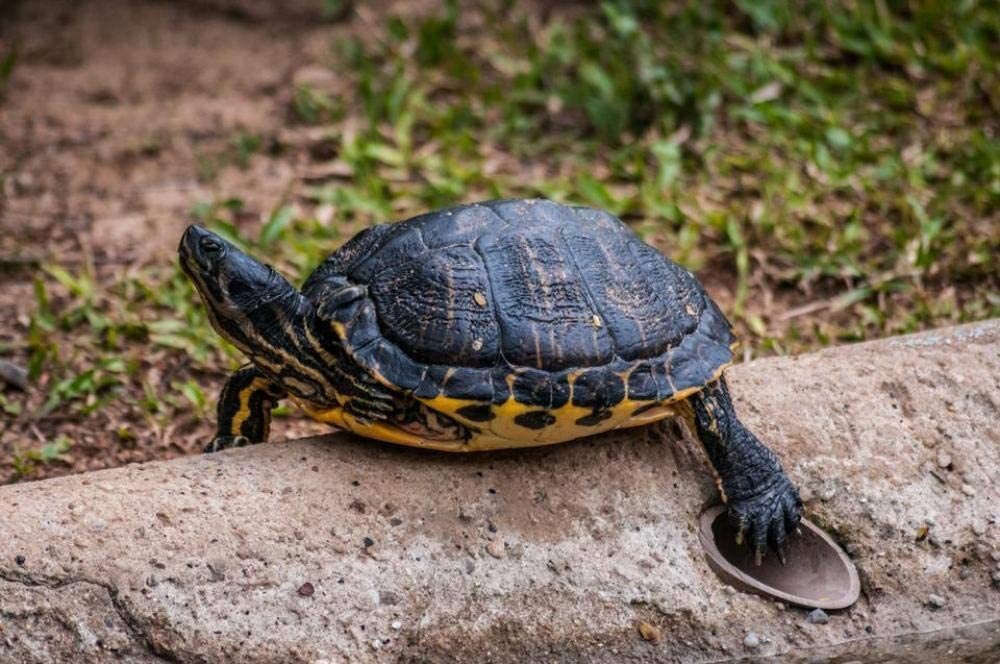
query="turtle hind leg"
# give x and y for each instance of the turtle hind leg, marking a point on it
(764, 506)
(244, 412)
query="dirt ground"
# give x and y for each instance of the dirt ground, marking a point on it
(102, 135)
(110, 132)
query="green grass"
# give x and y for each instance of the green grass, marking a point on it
(837, 159)
(25, 462)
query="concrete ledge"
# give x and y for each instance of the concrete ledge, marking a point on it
(340, 550)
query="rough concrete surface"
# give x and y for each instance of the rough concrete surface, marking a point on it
(338, 549)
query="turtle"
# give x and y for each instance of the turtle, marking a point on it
(492, 325)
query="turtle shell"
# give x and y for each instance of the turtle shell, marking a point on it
(522, 302)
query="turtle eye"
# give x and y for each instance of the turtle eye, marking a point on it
(211, 246)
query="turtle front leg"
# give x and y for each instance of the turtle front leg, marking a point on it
(764, 506)
(245, 409)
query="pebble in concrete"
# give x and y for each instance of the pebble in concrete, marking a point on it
(936, 601)
(751, 641)
(496, 549)
(818, 617)
(649, 632)
(943, 459)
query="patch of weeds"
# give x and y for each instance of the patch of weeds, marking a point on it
(9, 406)
(238, 152)
(313, 106)
(244, 146)
(86, 392)
(7, 63)
(207, 166)
(194, 396)
(25, 462)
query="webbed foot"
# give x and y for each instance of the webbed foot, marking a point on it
(220, 443)
(767, 519)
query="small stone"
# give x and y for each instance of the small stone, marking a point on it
(19, 559)
(968, 490)
(649, 632)
(479, 298)
(995, 556)
(828, 493)
(368, 542)
(752, 641)
(151, 581)
(14, 375)
(979, 527)
(729, 590)
(818, 617)
(936, 601)
(306, 590)
(943, 459)
(964, 573)
(996, 579)
(388, 598)
(217, 568)
(396, 625)
(496, 549)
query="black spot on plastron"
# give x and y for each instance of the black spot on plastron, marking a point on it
(536, 419)
(477, 413)
(594, 419)
(643, 409)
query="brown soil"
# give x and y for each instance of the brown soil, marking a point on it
(112, 126)
(106, 130)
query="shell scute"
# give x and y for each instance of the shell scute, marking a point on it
(544, 315)
(428, 307)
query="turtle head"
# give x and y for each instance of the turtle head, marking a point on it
(245, 298)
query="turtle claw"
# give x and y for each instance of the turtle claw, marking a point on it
(764, 521)
(220, 443)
